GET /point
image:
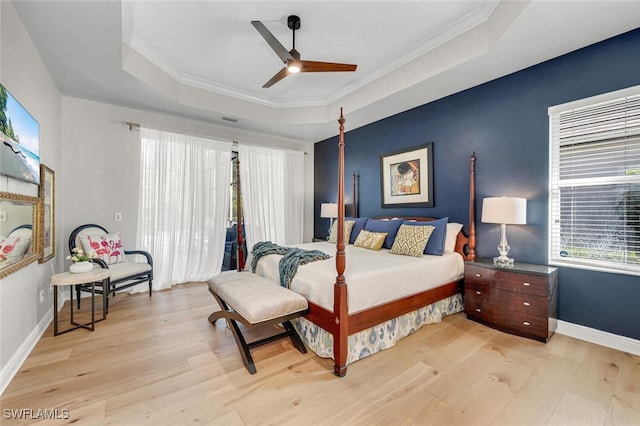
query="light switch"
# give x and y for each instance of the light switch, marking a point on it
(118, 217)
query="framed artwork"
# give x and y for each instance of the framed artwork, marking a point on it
(19, 140)
(47, 222)
(406, 177)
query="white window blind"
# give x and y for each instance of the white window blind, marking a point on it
(595, 183)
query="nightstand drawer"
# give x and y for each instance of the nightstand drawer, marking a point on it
(530, 284)
(522, 323)
(477, 308)
(475, 303)
(476, 274)
(478, 288)
(520, 302)
(512, 281)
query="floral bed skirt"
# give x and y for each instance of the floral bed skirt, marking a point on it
(381, 336)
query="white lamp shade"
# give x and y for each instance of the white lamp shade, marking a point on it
(508, 210)
(329, 210)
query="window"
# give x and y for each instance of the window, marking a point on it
(595, 183)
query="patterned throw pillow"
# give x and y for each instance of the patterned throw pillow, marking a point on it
(411, 240)
(370, 240)
(348, 226)
(106, 247)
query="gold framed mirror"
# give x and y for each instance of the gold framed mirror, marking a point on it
(18, 232)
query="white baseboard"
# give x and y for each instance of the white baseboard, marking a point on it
(13, 366)
(603, 338)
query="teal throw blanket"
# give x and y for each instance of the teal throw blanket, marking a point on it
(292, 258)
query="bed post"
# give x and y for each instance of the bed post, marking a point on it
(340, 308)
(239, 234)
(355, 194)
(471, 255)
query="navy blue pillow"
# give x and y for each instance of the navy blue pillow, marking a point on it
(389, 226)
(357, 227)
(435, 245)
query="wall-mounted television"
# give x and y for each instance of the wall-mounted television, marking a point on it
(19, 140)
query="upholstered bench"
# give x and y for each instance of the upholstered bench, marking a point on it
(255, 302)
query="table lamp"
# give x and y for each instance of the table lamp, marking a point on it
(505, 211)
(329, 210)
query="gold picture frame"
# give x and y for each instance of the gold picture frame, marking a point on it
(20, 213)
(47, 223)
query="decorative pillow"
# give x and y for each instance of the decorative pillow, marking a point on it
(13, 247)
(453, 229)
(348, 226)
(388, 226)
(370, 240)
(106, 247)
(357, 227)
(411, 240)
(435, 246)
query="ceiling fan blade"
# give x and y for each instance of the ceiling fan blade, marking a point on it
(313, 66)
(272, 41)
(276, 78)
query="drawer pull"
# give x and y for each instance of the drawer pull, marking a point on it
(479, 275)
(478, 292)
(478, 310)
(526, 284)
(527, 323)
(526, 303)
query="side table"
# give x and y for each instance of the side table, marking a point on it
(69, 279)
(522, 300)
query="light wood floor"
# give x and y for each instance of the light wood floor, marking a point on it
(158, 361)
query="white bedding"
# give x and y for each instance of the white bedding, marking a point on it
(373, 277)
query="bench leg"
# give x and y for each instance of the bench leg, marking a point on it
(245, 352)
(295, 337)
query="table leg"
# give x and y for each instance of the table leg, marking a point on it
(105, 285)
(55, 311)
(93, 306)
(71, 287)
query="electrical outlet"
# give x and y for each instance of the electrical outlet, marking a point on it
(117, 217)
(41, 296)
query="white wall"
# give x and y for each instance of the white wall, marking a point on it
(23, 317)
(101, 162)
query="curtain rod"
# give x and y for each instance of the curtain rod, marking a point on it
(136, 126)
(131, 125)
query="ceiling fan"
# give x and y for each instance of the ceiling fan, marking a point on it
(291, 59)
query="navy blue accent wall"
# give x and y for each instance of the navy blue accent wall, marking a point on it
(505, 123)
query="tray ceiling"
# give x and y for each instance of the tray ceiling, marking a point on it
(204, 60)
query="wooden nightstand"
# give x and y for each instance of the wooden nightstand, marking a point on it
(522, 300)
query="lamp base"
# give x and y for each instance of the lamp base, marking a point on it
(503, 262)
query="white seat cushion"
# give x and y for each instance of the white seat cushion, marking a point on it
(126, 269)
(255, 298)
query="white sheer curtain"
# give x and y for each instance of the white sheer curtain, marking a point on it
(184, 198)
(272, 187)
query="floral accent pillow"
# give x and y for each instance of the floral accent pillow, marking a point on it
(107, 247)
(13, 247)
(370, 240)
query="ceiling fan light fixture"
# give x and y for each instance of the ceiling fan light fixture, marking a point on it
(291, 58)
(293, 66)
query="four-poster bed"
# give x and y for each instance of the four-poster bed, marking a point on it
(386, 294)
